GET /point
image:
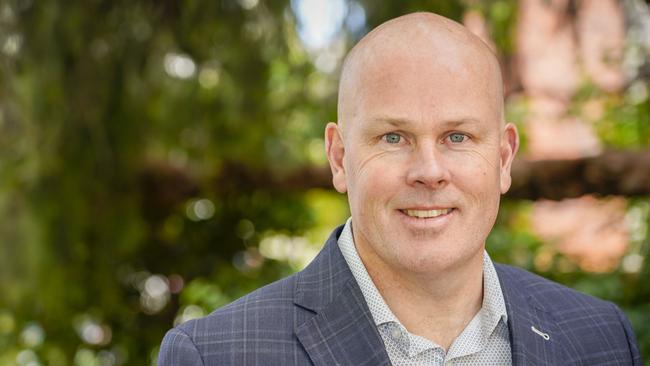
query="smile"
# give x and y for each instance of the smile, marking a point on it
(427, 214)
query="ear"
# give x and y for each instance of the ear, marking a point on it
(335, 152)
(509, 146)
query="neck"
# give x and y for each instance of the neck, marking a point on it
(436, 306)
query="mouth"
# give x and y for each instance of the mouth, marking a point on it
(426, 214)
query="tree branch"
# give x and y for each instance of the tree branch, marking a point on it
(621, 173)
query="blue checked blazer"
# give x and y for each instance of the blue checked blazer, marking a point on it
(318, 316)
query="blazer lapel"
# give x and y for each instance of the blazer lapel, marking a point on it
(535, 338)
(342, 331)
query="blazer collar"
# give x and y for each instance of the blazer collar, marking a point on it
(535, 338)
(342, 331)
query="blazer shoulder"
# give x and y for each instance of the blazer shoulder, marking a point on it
(593, 328)
(268, 306)
(547, 295)
(260, 328)
(256, 329)
(177, 348)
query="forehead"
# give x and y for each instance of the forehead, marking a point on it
(428, 87)
(421, 74)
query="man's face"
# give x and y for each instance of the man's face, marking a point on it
(425, 158)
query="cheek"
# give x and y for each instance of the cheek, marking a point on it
(370, 161)
(474, 173)
(372, 179)
(468, 164)
(371, 168)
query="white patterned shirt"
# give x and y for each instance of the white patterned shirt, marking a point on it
(484, 341)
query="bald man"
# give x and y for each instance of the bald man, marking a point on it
(423, 153)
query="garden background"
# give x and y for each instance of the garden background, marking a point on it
(159, 159)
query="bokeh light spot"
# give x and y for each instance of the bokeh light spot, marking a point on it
(179, 66)
(27, 358)
(632, 263)
(32, 335)
(200, 209)
(12, 44)
(319, 21)
(248, 4)
(188, 313)
(209, 77)
(92, 331)
(155, 294)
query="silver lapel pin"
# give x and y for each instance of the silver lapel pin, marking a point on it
(540, 333)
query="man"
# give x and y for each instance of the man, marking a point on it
(422, 151)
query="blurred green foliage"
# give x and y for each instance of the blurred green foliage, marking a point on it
(97, 97)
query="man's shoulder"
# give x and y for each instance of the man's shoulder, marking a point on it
(548, 295)
(590, 330)
(263, 321)
(267, 306)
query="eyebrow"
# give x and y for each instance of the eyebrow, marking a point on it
(403, 122)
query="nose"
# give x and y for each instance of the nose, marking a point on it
(427, 168)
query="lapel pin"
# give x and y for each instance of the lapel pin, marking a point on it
(540, 333)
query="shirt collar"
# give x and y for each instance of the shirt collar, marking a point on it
(380, 311)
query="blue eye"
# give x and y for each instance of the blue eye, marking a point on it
(392, 138)
(457, 137)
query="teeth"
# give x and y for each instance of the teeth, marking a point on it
(425, 214)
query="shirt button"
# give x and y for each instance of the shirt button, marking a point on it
(396, 333)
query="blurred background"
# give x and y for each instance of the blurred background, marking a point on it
(159, 159)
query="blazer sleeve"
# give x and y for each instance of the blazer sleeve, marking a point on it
(178, 349)
(631, 339)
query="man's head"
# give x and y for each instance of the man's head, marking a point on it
(421, 147)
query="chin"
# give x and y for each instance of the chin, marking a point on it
(438, 261)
